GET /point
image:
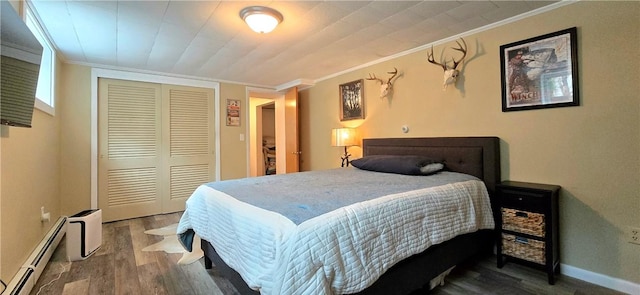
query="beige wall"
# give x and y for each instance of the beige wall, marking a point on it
(592, 151)
(30, 167)
(75, 138)
(233, 158)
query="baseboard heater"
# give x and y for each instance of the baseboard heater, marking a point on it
(26, 278)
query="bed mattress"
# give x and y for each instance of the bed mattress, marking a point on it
(343, 247)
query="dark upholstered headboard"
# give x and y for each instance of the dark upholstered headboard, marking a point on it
(477, 156)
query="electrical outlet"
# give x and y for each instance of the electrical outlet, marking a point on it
(633, 235)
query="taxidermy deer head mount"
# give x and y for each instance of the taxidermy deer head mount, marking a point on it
(385, 87)
(450, 74)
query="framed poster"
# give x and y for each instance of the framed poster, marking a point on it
(540, 72)
(351, 100)
(233, 112)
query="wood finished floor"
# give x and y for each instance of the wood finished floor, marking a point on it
(120, 267)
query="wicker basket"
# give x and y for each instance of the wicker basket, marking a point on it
(523, 248)
(523, 222)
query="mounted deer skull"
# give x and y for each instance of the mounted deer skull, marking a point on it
(450, 74)
(385, 87)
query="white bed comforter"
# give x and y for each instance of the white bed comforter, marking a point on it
(343, 251)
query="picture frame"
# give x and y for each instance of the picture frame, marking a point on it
(233, 112)
(540, 72)
(351, 100)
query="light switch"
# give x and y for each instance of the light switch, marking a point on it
(241, 136)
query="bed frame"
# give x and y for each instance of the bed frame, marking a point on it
(477, 156)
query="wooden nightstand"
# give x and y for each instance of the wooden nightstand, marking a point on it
(528, 227)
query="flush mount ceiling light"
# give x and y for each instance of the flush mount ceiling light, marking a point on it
(261, 19)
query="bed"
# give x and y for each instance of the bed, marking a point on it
(474, 156)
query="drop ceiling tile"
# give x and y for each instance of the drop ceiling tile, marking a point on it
(208, 38)
(326, 13)
(163, 57)
(469, 24)
(412, 34)
(440, 21)
(59, 26)
(364, 16)
(505, 10)
(97, 34)
(401, 20)
(470, 9)
(133, 46)
(428, 9)
(389, 8)
(192, 15)
(150, 12)
(178, 35)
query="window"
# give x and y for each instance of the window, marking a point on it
(45, 92)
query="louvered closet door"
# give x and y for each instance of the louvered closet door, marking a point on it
(130, 159)
(188, 141)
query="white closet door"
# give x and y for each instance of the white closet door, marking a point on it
(130, 159)
(188, 141)
(156, 146)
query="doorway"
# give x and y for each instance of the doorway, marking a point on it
(268, 126)
(282, 148)
(262, 133)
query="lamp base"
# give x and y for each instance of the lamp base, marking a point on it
(345, 158)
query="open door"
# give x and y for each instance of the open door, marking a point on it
(287, 133)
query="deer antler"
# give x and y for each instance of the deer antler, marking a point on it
(393, 74)
(455, 63)
(463, 50)
(374, 78)
(433, 61)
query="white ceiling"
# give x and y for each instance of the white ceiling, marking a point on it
(207, 39)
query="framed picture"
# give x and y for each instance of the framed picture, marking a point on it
(233, 112)
(541, 72)
(351, 100)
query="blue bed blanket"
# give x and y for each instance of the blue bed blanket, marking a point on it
(305, 195)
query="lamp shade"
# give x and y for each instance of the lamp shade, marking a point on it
(261, 19)
(343, 137)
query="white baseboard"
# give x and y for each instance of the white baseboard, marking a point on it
(600, 279)
(27, 276)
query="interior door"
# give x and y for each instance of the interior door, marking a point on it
(129, 161)
(288, 150)
(156, 145)
(188, 143)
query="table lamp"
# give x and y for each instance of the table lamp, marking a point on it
(345, 137)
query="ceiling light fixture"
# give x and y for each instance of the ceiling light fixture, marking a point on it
(261, 19)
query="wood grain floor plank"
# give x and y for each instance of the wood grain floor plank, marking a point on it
(140, 240)
(115, 270)
(126, 272)
(202, 283)
(53, 276)
(108, 236)
(174, 279)
(151, 279)
(102, 274)
(80, 287)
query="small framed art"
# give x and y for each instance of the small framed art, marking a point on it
(540, 72)
(233, 112)
(351, 100)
